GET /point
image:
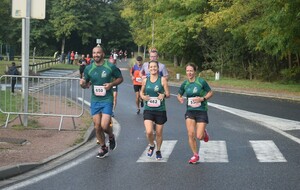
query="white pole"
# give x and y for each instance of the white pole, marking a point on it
(25, 58)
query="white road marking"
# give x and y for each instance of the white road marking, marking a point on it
(84, 101)
(267, 151)
(50, 173)
(213, 151)
(277, 124)
(166, 150)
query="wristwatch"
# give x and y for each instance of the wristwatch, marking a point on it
(204, 99)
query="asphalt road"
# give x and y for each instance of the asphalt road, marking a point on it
(254, 145)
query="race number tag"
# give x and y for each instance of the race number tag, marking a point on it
(138, 79)
(99, 90)
(192, 103)
(153, 102)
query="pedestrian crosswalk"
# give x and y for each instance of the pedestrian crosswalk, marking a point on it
(216, 151)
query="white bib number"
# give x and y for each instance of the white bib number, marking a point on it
(138, 79)
(153, 102)
(192, 103)
(99, 90)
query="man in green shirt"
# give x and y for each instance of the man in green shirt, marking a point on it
(99, 75)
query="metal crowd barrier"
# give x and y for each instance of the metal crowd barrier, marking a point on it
(47, 96)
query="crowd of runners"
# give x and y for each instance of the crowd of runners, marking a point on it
(150, 85)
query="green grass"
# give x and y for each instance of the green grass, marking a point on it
(15, 105)
(237, 83)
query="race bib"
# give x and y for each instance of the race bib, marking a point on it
(99, 90)
(154, 102)
(138, 79)
(192, 103)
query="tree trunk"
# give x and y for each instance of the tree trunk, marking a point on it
(175, 63)
(63, 42)
(182, 62)
(297, 59)
(250, 68)
(290, 60)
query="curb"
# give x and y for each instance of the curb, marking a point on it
(7, 172)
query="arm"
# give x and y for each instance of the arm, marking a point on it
(142, 91)
(207, 96)
(142, 70)
(166, 88)
(165, 72)
(180, 98)
(116, 82)
(180, 93)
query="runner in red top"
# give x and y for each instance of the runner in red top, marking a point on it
(137, 82)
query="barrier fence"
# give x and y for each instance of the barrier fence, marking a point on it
(47, 96)
(35, 67)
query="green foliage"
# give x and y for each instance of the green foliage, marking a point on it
(291, 75)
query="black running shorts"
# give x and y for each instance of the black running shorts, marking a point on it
(198, 116)
(158, 117)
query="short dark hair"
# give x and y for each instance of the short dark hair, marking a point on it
(13, 64)
(139, 58)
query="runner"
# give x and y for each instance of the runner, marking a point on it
(162, 70)
(154, 91)
(137, 82)
(99, 75)
(197, 92)
(154, 57)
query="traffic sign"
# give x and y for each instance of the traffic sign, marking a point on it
(38, 9)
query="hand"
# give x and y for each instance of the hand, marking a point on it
(107, 86)
(180, 99)
(161, 96)
(82, 82)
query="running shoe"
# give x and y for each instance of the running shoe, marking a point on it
(138, 111)
(206, 137)
(194, 159)
(158, 155)
(150, 150)
(103, 152)
(112, 143)
(98, 142)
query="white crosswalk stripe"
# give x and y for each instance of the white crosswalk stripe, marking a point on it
(166, 150)
(213, 151)
(267, 151)
(216, 151)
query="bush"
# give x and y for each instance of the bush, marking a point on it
(290, 75)
(207, 74)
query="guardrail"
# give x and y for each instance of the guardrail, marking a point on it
(37, 66)
(47, 96)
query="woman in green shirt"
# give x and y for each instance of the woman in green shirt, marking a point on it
(154, 91)
(197, 93)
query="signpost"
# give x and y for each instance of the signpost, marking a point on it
(98, 41)
(27, 9)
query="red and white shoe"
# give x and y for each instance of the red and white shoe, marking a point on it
(194, 159)
(206, 136)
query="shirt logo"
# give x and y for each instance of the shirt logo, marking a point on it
(156, 88)
(103, 75)
(195, 90)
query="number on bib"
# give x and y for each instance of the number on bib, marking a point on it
(138, 79)
(153, 102)
(192, 103)
(99, 91)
